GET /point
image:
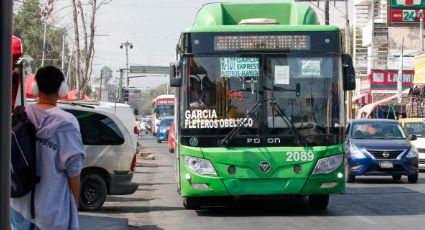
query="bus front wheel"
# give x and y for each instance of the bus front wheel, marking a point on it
(191, 203)
(318, 202)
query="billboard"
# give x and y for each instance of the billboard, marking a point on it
(404, 11)
(419, 69)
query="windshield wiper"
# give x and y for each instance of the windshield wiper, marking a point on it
(288, 122)
(236, 129)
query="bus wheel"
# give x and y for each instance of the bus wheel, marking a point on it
(319, 202)
(191, 203)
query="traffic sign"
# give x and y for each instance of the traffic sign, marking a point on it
(165, 70)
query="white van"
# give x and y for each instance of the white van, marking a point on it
(110, 155)
(125, 113)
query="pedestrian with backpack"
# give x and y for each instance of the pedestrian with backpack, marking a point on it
(59, 159)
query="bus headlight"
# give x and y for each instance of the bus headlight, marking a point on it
(200, 166)
(328, 164)
(412, 153)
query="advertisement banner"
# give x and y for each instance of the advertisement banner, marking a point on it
(405, 11)
(419, 77)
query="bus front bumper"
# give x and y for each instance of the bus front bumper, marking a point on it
(193, 184)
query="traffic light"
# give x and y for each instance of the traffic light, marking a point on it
(125, 94)
(297, 89)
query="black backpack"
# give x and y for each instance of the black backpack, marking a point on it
(23, 150)
(23, 156)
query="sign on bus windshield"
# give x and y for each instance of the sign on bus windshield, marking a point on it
(291, 42)
(262, 42)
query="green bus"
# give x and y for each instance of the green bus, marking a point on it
(260, 107)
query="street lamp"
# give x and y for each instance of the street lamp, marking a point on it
(126, 44)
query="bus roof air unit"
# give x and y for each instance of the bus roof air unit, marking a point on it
(259, 21)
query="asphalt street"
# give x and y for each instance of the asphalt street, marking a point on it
(369, 203)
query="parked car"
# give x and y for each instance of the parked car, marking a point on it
(416, 126)
(380, 147)
(163, 126)
(171, 141)
(110, 156)
(126, 114)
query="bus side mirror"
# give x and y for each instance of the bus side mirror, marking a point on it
(349, 74)
(175, 81)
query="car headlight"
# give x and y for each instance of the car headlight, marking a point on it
(356, 153)
(412, 153)
(200, 166)
(328, 164)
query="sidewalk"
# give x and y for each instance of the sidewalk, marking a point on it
(102, 223)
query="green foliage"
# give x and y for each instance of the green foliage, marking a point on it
(147, 96)
(28, 25)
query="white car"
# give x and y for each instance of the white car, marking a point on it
(416, 126)
(110, 155)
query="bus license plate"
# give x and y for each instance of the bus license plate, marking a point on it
(386, 164)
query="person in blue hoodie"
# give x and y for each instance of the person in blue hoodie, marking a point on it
(60, 155)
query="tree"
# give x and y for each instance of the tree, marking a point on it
(84, 21)
(29, 26)
(145, 106)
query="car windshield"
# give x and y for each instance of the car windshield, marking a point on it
(166, 122)
(382, 130)
(415, 128)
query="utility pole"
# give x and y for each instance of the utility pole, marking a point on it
(349, 94)
(100, 86)
(44, 41)
(46, 11)
(63, 53)
(326, 12)
(127, 44)
(421, 29)
(120, 86)
(6, 9)
(400, 75)
(347, 29)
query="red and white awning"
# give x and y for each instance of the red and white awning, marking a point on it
(361, 99)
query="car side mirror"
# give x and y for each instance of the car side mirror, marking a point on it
(175, 80)
(413, 137)
(349, 74)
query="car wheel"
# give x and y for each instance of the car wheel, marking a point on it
(413, 178)
(396, 177)
(191, 203)
(318, 202)
(93, 192)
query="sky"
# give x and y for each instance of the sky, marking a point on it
(153, 27)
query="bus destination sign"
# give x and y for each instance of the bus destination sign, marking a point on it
(261, 42)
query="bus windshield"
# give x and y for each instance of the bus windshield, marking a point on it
(165, 110)
(221, 90)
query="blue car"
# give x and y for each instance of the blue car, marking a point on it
(380, 147)
(163, 127)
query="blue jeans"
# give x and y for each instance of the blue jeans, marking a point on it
(18, 222)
